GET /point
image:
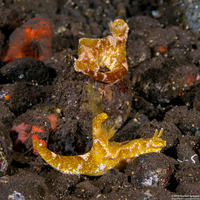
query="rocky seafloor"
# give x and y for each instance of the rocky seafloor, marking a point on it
(160, 90)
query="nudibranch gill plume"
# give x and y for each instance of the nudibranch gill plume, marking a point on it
(109, 52)
(103, 155)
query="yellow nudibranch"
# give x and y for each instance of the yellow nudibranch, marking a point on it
(107, 52)
(103, 155)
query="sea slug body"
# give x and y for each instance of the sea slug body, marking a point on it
(103, 155)
(109, 52)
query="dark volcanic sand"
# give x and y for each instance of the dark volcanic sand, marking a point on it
(160, 90)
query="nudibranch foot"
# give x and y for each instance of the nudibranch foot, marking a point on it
(109, 52)
(103, 155)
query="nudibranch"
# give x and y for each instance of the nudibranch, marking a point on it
(103, 155)
(109, 52)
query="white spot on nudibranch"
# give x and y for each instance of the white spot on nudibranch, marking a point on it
(104, 77)
(79, 167)
(97, 171)
(58, 166)
(102, 167)
(85, 156)
(53, 154)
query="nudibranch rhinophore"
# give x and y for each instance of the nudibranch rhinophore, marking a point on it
(103, 155)
(109, 52)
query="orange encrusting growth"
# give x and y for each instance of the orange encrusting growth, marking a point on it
(103, 155)
(26, 131)
(33, 39)
(107, 52)
(7, 97)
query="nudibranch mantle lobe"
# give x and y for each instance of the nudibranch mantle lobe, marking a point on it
(107, 52)
(103, 155)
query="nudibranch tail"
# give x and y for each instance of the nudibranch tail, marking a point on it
(65, 164)
(109, 52)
